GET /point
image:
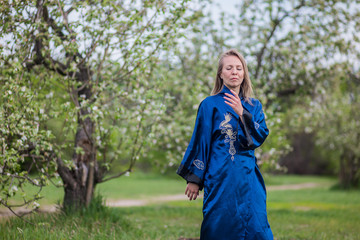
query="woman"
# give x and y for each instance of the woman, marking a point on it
(220, 157)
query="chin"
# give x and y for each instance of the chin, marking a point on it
(233, 85)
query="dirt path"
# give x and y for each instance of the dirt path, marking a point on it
(153, 200)
(167, 198)
(294, 186)
(143, 202)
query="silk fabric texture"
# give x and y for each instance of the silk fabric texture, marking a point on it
(220, 159)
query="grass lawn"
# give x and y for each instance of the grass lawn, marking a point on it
(317, 213)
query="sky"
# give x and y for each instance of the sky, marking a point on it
(228, 6)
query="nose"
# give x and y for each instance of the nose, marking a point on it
(234, 71)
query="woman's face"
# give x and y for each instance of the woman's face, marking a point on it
(232, 72)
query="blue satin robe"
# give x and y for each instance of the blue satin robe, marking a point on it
(220, 159)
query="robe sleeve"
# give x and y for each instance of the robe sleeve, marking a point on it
(254, 126)
(193, 165)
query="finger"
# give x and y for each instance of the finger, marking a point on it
(230, 104)
(196, 195)
(186, 190)
(235, 94)
(235, 100)
(189, 194)
(230, 95)
(230, 99)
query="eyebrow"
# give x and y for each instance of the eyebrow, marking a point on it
(232, 65)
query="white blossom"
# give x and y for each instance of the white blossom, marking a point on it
(308, 129)
(36, 205)
(272, 151)
(50, 95)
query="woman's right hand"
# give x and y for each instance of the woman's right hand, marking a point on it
(192, 191)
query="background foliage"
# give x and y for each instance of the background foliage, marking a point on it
(303, 62)
(133, 73)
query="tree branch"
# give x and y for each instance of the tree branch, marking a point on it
(19, 216)
(65, 173)
(276, 23)
(116, 176)
(65, 17)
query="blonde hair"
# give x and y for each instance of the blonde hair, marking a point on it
(246, 86)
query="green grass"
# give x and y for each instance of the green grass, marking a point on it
(154, 222)
(317, 213)
(272, 180)
(139, 185)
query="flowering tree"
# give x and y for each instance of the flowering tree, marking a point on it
(292, 49)
(76, 97)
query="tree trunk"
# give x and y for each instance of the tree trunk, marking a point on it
(77, 194)
(74, 198)
(80, 181)
(349, 171)
(343, 172)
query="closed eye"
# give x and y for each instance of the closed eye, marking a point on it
(229, 68)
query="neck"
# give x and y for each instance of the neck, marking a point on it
(235, 89)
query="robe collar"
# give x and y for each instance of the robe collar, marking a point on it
(225, 89)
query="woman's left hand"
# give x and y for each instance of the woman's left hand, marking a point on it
(234, 101)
